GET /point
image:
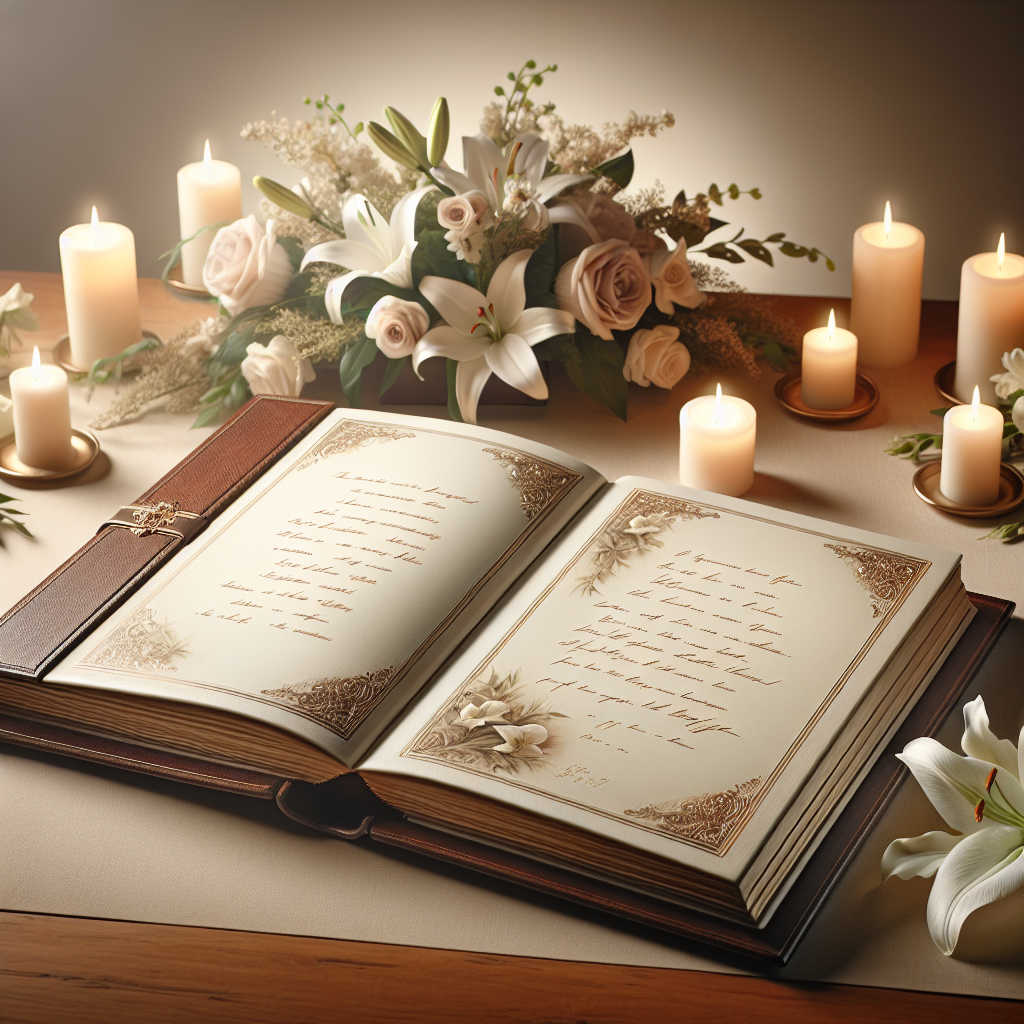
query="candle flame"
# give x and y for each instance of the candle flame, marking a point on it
(93, 225)
(718, 406)
(887, 220)
(975, 403)
(206, 160)
(35, 362)
(831, 324)
(1001, 251)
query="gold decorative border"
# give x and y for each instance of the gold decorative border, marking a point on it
(757, 795)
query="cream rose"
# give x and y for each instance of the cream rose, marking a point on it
(672, 280)
(396, 325)
(656, 357)
(606, 287)
(465, 214)
(276, 369)
(246, 267)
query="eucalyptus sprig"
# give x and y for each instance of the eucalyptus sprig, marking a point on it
(913, 446)
(7, 516)
(517, 97)
(1009, 533)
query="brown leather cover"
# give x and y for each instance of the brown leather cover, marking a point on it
(46, 623)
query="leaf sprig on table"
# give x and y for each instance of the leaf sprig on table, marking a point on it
(7, 515)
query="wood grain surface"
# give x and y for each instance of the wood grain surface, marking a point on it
(108, 972)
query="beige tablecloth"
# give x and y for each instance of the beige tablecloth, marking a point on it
(88, 841)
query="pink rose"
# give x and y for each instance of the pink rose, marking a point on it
(246, 267)
(607, 287)
(672, 280)
(656, 357)
(464, 214)
(396, 325)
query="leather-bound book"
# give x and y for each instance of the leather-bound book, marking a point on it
(676, 706)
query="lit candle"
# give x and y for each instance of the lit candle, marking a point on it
(101, 290)
(716, 444)
(209, 193)
(828, 367)
(972, 437)
(885, 314)
(42, 415)
(991, 319)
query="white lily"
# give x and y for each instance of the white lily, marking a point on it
(492, 333)
(373, 247)
(979, 795)
(488, 713)
(521, 741)
(485, 171)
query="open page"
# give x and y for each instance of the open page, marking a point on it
(332, 589)
(671, 671)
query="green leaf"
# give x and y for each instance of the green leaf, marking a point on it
(1011, 399)
(541, 269)
(451, 369)
(794, 250)
(754, 248)
(596, 369)
(940, 412)
(392, 372)
(715, 224)
(295, 251)
(775, 356)
(1009, 429)
(618, 168)
(433, 257)
(559, 349)
(715, 195)
(239, 394)
(354, 360)
(209, 415)
(777, 237)
(720, 251)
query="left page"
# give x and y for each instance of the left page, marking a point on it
(327, 594)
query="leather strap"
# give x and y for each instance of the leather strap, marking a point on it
(45, 624)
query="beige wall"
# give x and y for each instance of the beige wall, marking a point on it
(830, 107)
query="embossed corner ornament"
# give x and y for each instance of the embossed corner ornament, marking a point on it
(887, 577)
(708, 820)
(539, 483)
(349, 436)
(339, 704)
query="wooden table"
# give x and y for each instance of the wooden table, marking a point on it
(83, 969)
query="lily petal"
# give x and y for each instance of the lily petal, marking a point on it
(507, 291)
(534, 733)
(979, 741)
(920, 856)
(470, 378)
(403, 219)
(335, 293)
(455, 180)
(400, 272)
(985, 867)
(345, 253)
(446, 341)
(569, 213)
(549, 187)
(455, 301)
(480, 157)
(514, 362)
(532, 158)
(540, 322)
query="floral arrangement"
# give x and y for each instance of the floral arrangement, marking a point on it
(532, 253)
(980, 796)
(1009, 387)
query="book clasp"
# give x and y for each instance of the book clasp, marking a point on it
(164, 517)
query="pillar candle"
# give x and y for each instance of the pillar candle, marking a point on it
(209, 193)
(716, 444)
(828, 367)
(101, 290)
(888, 259)
(42, 415)
(972, 437)
(991, 319)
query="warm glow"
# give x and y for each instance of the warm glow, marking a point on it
(831, 324)
(975, 403)
(1001, 251)
(94, 224)
(206, 159)
(35, 362)
(887, 220)
(718, 406)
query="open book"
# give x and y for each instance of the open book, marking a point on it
(671, 691)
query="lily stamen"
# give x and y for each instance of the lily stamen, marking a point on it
(979, 811)
(991, 778)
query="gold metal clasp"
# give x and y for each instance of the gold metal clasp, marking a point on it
(164, 517)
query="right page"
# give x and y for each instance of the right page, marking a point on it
(670, 673)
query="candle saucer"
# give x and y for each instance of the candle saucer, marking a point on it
(944, 379)
(62, 354)
(193, 291)
(1011, 493)
(865, 398)
(83, 442)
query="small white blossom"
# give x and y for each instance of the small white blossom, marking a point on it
(521, 741)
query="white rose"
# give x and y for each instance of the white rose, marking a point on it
(656, 357)
(276, 369)
(1007, 383)
(396, 325)
(14, 309)
(206, 340)
(246, 267)
(1018, 414)
(465, 214)
(672, 280)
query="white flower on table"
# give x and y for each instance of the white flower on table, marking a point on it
(492, 333)
(657, 357)
(1013, 379)
(372, 246)
(276, 369)
(490, 712)
(980, 796)
(521, 740)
